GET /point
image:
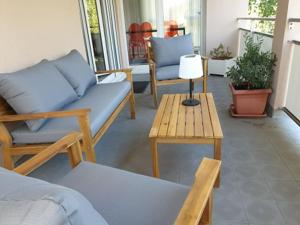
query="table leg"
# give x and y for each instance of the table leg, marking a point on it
(218, 155)
(154, 157)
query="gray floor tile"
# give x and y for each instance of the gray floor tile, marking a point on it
(276, 172)
(263, 212)
(264, 156)
(248, 171)
(255, 189)
(228, 211)
(290, 211)
(295, 171)
(285, 190)
(290, 157)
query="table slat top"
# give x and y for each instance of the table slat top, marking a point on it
(174, 120)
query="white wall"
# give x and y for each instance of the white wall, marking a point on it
(35, 29)
(221, 25)
(283, 49)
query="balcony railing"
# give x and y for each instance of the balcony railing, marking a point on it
(264, 25)
(293, 90)
(267, 40)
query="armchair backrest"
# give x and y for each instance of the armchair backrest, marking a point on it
(167, 51)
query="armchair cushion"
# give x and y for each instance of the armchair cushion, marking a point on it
(167, 72)
(24, 199)
(76, 70)
(102, 99)
(40, 88)
(167, 51)
(127, 198)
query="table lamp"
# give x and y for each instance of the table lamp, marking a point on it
(190, 68)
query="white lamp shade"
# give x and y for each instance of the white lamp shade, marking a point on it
(190, 67)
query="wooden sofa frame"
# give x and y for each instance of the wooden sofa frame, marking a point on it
(156, 83)
(7, 116)
(197, 208)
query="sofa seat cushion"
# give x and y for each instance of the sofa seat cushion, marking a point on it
(167, 72)
(77, 71)
(167, 51)
(102, 99)
(126, 198)
(25, 200)
(40, 88)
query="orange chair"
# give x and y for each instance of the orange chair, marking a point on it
(135, 40)
(171, 29)
(146, 29)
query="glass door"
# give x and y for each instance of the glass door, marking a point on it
(140, 23)
(183, 17)
(164, 18)
(94, 34)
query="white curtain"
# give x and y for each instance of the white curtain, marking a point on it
(187, 13)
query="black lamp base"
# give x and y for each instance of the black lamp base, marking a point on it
(190, 102)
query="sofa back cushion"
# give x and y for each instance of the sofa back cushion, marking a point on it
(167, 51)
(40, 88)
(24, 199)
(77, 71)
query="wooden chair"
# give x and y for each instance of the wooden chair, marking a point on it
(146, 29)
(135, 40)
(171, 29)
(197, 207)
(8, 119)
(155, 83)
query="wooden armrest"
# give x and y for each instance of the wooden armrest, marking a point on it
(114, 71)
(44, 115)
(198, 197)
(128, 72)
(66, 142)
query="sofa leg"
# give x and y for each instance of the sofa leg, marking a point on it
(8, 161)
(132, 105)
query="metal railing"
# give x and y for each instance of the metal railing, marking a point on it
(294, 20)
(292, 98)
(267, 40)
(262, 25)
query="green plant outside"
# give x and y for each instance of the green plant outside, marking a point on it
(255, 69)
(264, 8)
(93, 16)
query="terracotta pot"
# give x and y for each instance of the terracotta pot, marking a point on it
(249, 102)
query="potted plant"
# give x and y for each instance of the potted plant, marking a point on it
(220, 60)
(251, 80)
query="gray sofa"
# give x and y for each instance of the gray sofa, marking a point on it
(96, 194)
(49, 98)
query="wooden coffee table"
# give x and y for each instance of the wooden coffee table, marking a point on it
(175, 123)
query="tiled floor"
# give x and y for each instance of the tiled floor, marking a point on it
(261, 160)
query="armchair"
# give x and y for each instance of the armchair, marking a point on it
(123, 197)
(164, 57)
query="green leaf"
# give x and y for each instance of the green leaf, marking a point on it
(254, 69)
